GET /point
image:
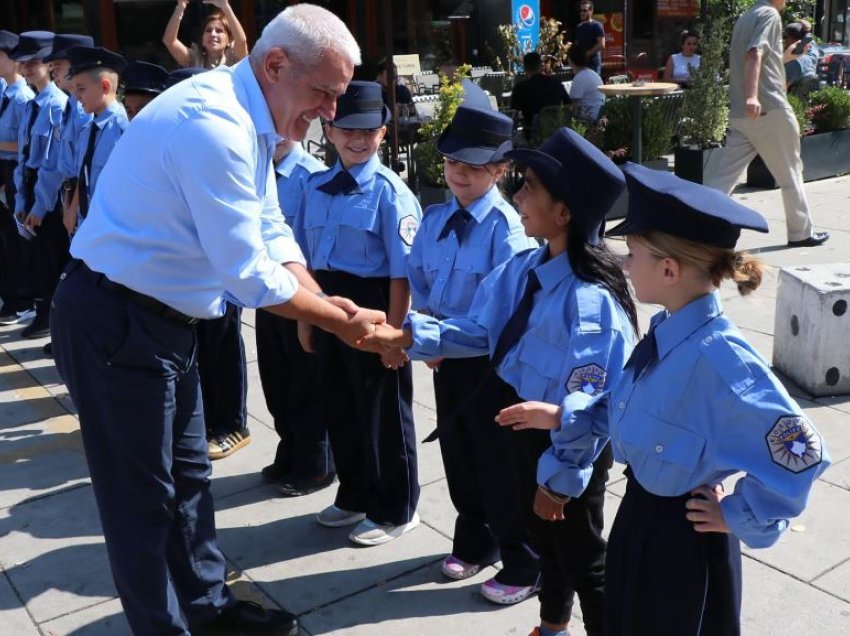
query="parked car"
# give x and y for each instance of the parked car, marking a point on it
(834, 64)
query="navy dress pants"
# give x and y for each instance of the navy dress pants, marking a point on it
(224, 372)
(133, 377)
(369, 411)
(289, 378)
(16, 287)
(481, 471)
(665, 578)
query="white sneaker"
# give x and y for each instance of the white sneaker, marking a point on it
(333, 517)
(371, 533)
(18, 317)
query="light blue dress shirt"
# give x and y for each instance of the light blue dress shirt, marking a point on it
(292, 174)
(576, 341)
(186, 207)
(707, 409)
(111, 122)
(445, 275)
(13, 117)
(67, 159)
(44, 140)
(367, 233)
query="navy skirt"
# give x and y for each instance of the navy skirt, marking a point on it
(664, 578)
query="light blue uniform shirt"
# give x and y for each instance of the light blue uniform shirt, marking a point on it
(76, 119)
(13, 117)
(111, 122)
(292, 174)
(367, 233)
(708, 408)
(445, 275)
(186, 207)
(576, 341)
(44, 140)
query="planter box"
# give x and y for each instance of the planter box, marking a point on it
(621, 205)
(698, 165)
(824, 155)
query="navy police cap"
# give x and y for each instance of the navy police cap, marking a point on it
(32, 45)
(175, 77)
(86, 58)
(476, 136)
(662, 202)
(8, 41)
(361, 107)
(63, 42)
(144, 77)
(576, 172)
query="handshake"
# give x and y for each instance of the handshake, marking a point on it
(367, 330)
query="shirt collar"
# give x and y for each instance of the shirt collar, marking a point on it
(552, 272)
(363, 173)
(288, 163)
(672, 329)
(44, 96)
(255, 102)
(15, 87)
(109, 112)
(482, 205)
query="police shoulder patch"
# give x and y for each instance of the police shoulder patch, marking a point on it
(407, 228)
(794, 444)
(588, 379)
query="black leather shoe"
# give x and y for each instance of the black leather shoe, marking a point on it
(249, 619)
(48, 349)
(36, 329)
(273, 475)
(817, 238)
(301, 487)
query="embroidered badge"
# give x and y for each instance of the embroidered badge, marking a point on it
(407, 228)
(588, 379)
(794, 444)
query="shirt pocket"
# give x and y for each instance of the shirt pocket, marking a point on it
(358, 235)
(541, 368)
(468, 270)
(663, 455)
(39, 145)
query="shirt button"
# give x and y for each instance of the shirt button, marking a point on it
(659, 448)
(448, 258)
(63, 276)
(708, 340)
(621, 405)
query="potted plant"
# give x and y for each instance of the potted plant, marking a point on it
(704, 113)
(429, 162)
(825, 143)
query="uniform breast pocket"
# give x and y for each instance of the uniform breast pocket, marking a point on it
(359, 234)
(664, 456)
(39, 144)
(542, 367)
(466, 276)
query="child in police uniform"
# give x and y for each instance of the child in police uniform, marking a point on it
(558, 322)
(95, 72)
(695, 405)
(142, 82)
(359, 222)
(37, 189)
(303, 463)
(459, 243)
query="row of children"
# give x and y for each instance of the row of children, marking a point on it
(537, 384)
(59, 120)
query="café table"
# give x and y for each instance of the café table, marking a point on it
(634, 91)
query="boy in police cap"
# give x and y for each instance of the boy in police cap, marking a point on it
(95, 72)
(142, 82)
(359, 222)
(15, 289)
(695, 405)
(36, 205)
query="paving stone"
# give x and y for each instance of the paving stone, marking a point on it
(13, 616)
(103, 619)
(837, 582)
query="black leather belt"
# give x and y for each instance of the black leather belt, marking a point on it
(146, 302)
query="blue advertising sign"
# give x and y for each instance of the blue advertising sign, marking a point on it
(526, 15)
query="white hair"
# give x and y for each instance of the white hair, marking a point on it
(306, 32)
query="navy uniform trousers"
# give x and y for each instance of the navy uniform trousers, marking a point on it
(369, 412)
(481, 471)
(15, 285)
(289, 377)
(224, 372)
(133, 377)
(665, 578)
(572, 551)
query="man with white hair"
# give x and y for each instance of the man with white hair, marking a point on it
(186, 216)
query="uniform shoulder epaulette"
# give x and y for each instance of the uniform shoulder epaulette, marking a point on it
(392, 179)
(589, 302)
(739, 367)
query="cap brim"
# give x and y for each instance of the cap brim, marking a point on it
(534, 158)
(147, 90)
(625, 228)
(363, 121)
(460, 150)
(38, 55)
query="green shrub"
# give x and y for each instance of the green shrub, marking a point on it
(829, 109)
(656, 127)
(800, 109)
(554, 118)
(704, 113)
